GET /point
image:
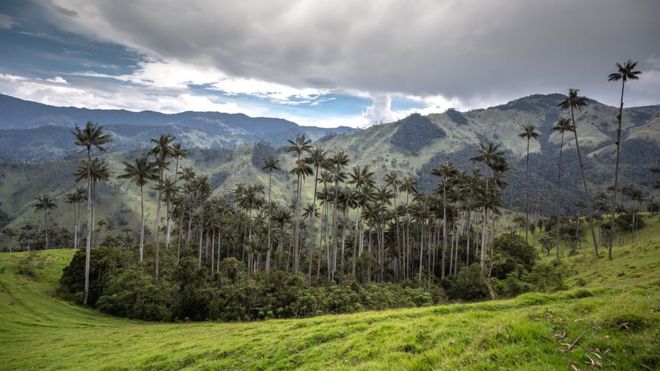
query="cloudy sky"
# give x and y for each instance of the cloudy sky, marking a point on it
(324, 63)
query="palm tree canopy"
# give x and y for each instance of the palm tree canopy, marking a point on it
(300, 144)
(302, 169)
(44, 202)
(489, 154)
(529, 132)
(626, 72)
(91, 136)
(141, 172)
(178, 151)
(563, 125)
(99, 170)
(573, 100)
(445, 170)
(162, 147)
(361, 177)
(272, 164)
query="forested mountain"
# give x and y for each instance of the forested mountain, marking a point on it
(34, 131)
(412, 146)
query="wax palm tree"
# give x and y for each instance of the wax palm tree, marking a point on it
(202, 191)
(301, 171)
(393, 180)
(168, 189)
(361, 177)
(490, 155)
(563, 125)
(445, 171)
(140, 173)
(161, 150)
(10, 234)
(100, 172)
(177, 152)
(299, 145)
(90, 137)
(574, 101)
(271, 164)
(529, 132)
(26, 235)
(75, 198)
(336, 166)
(624, 73)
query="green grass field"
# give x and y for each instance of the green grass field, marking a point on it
(609, 317)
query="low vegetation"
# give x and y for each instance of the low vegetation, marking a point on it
(607, 317)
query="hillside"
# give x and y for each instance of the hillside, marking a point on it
(454, 136)
(578, 328)
(34, 131)
(412, 146)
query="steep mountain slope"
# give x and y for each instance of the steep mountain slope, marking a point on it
(455, 136)
(34, 131)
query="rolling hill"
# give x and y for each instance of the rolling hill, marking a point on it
(578, 328)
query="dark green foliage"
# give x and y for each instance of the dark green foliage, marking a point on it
(188, 292)
(29, 265)
(133, 293)
(624, 222)
(547, 277)
(469, 284)
(416, 132)
(457, 117)
(105, 262)
(513, 253)
(194, 296)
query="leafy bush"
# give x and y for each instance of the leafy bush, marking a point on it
(547, 277)
(624, 222)
(513, 254)
(29, 265)
(105, 261)
(133, 294)
(469, 284)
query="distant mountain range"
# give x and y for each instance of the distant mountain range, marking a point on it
(34, 131)
(231, 149)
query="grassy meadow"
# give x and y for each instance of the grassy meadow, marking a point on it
(609, 317)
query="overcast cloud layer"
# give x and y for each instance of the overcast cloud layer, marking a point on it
(432, 54)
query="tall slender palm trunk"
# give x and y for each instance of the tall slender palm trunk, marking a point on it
(584, 184)
(296, 230)
(157, 231)
(141, 224)
(616, 173)
(270, 249)
(527, 196)
(561, 148)
(88, 246)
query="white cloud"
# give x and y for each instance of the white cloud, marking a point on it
(380, 111)
(6, 22)
(446, 48)
(57, 93)
(58, 80)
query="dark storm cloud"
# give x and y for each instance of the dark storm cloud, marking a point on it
(470, 50)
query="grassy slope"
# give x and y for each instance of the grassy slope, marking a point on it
(617, 315)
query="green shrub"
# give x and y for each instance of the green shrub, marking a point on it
(134, 294)
(547, 277)
(469, 284)
(29, 265)
(513, 254)
(104, 262)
